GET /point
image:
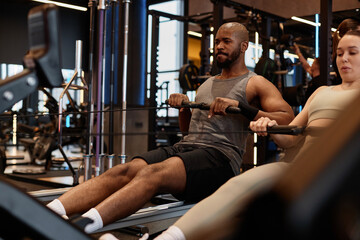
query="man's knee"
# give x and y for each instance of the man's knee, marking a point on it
(151, 171)
(156, 174)
(167, 176)
(129, 169)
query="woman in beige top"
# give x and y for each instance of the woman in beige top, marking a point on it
(217, 216)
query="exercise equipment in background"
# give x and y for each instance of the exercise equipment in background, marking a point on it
(189, 78)
(43, 67)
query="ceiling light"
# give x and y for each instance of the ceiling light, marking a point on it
(308, 22)
(304, 21)
(196, 34)
(65, 5)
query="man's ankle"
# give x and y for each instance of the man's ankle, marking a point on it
(57, 207)
(94, 215)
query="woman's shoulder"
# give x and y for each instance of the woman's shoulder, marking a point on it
(319, 89)
(326, 87)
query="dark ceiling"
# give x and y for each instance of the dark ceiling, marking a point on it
(279, 10)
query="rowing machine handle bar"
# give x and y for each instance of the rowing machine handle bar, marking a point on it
(203, 106)
(286, 129)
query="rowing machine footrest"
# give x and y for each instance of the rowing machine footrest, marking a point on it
(80, 221)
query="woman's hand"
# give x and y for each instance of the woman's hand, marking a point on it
(260, 126)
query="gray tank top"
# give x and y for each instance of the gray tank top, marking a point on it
(225, 133)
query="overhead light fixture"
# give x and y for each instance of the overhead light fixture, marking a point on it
(195, 34)
(304, 21)
(65, 5)
(309, 22)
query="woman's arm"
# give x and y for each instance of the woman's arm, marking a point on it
(282, 140)
(285, 141)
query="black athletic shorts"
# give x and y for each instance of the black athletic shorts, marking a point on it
(206, 169)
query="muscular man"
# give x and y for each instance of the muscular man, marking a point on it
(220, 215)
(205, 159)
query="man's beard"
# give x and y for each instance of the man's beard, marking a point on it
(230, 60)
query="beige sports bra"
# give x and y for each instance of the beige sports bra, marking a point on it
(329, 103)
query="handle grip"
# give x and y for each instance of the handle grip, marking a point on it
(286, 129)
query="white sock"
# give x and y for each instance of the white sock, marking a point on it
(57, 207)
(172, 233)
(94, 215)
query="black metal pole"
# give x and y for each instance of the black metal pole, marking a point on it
(186, 28)
(325, 40)
(205, 52)
(153, 79)
(266, 32)
(217, 22)
(90, 107)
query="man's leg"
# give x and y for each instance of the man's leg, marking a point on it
(88, 194)
(167, 176)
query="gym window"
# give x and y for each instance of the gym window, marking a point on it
(169, 54)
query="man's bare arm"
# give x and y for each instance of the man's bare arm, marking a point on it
(184, 120)
(175, 100)
(272, 103)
